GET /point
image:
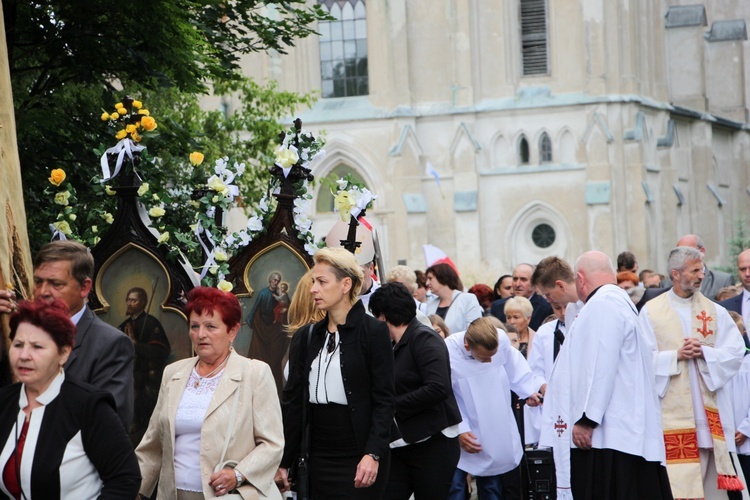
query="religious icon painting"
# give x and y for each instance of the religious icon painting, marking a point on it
(270, 279)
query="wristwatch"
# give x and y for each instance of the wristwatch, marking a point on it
(238, 476)
(374, 457)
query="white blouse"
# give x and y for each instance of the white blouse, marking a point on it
(187, 425)
(326, 382)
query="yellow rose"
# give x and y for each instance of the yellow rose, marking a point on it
(156, 212)
(215, 199)
(61, 198)
(143, 189)
(148, 123)
(216, 184)
(213, 269)
(196, 158)
(105, 116)
(94, 229)
(118, 105)
(72, 216)
(122, 111)
(97, 240)
(130, 129)
(343, 204)
(108, 189)
(108, 217)
(155, 197)
(163, 237)
(220, 256)
(63, 227)
(137, 138)
(114, 116)
(286, 157)
(137, 104)
(144, 112)
(225, 286)
(121, 134)
(57, 176)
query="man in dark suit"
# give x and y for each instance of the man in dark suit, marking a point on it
(522, 286)
(102, 355)
(741, 303)
(713, 281)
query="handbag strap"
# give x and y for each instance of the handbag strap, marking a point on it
(306, 402)
(230, 429)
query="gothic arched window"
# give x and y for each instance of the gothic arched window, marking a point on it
(523, 151)
(545, 149)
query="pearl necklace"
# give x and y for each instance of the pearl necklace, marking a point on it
(214, 372)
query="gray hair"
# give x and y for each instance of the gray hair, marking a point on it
(680, 255)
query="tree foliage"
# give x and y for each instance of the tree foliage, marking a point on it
(70, 60)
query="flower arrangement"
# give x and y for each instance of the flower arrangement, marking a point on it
(206, 244)
(67, 224)
(298, 148)
(352, 198)
(130, 122)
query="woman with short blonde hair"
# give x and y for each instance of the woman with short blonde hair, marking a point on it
(345, 363)
(518, 312)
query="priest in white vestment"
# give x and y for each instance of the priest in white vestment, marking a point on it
(484, 369)
(618, 445)
(697, 351)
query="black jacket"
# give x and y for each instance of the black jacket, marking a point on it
(367, 371)
(77, 408)
(425, 404)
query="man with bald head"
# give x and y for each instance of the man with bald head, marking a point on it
(522, 287)
(697, 351)
(618, 446)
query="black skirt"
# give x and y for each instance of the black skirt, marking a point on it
(334, 457)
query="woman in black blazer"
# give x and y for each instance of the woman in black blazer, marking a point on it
(424, 443)
(344, 368)
(59, 438)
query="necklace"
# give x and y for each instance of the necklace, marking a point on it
(214, 372)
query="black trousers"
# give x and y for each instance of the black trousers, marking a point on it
(424, 469)
(598, 474)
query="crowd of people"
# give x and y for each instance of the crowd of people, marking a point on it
(635, 382)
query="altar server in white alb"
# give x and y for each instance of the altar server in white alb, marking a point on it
(618, 448)
(484, 369)
(547, 345)
(555, 280)
(697, 351)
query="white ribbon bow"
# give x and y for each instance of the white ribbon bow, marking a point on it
(124, 147)
(56, 233)
(210, 260)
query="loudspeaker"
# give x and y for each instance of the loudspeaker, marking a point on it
(541, 474)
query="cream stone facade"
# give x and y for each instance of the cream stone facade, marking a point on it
(644, 103)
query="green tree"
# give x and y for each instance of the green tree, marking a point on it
(70, 60)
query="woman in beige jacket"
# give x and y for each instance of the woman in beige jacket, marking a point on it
(189, 426)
